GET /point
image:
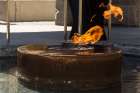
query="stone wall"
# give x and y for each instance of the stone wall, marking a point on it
(37, 10)
(2, 10)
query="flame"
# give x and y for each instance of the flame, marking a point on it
(116, 11)
(93, 35)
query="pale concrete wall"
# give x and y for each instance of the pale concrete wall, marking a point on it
(2, 10)
(37, 10)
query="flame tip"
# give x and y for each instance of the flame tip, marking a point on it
(114, 10)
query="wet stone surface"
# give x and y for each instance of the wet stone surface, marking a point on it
(130, 79)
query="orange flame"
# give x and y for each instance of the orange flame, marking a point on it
(93, 35)
(115, 11)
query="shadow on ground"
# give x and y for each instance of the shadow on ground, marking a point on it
(33, 37)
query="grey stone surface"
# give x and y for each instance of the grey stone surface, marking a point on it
(28, 10)
(2, 10)
(130, 81)
(127, 38)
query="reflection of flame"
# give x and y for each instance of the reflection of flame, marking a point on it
(115, 11)
(93, 35)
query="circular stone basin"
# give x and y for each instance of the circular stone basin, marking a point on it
(56, 67)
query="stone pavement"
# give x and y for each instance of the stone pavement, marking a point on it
(127, 38)
(43, 32)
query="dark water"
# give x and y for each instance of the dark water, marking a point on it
(130, 82)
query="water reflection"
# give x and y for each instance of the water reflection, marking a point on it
(130, 81)
(22, 88)
(115, 89)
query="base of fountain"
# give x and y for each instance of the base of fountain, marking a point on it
(56, 67)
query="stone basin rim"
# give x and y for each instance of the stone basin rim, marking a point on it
(43, 50)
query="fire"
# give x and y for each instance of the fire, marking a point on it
(93, 35)
(116, 11)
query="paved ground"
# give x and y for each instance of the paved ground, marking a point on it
(43, 32)
(32, 32)
(128, 38)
